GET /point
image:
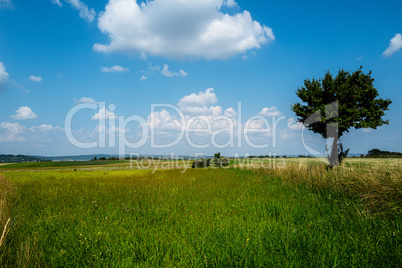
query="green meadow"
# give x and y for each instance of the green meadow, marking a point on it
(296, 214)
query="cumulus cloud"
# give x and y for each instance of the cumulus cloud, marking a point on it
(86, 13)
(180, 29)
(103, 113)
(230, 112)
(270, 112)
(14, 132)
(394, 45)
(45, 128)
(85, 100)
(163, 120)
(10, 132)
(260, 124)
(165, 71)
(198, 113)
(114, 69)
(143, 77)
(201, 99)
(24, 113)
(35, 78)
(293, 125)
(3, 77)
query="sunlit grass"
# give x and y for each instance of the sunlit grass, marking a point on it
(202, 218)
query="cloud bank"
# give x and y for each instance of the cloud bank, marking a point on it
(180, 29)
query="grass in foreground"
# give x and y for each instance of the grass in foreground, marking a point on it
(209, 218)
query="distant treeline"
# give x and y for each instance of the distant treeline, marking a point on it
(9, 158)
(125, 158)
(377, 153)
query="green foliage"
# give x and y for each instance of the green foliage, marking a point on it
(358, 103)
(379, 153)
(201, 218)
(334, 105)
(201, 163)
(8, 158)
(341, 153)
(219, 161)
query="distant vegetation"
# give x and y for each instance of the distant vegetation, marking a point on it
(379, 153)
(217, 161)
(9, 158)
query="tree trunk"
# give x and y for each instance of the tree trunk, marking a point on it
(333, 158)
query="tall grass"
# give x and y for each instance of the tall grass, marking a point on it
(200, 218)
(376, 182)
(6, 194)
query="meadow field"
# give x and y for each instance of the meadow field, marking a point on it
(257, 213)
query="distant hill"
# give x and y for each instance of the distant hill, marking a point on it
(106, 156)
(9, 158)
(75, 157)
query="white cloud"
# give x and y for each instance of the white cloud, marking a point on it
(35, 78)
(3, 73)
(196, 110)
(11, 132)
(154, 68)
(114, 69)
(143, 77)
(230, 3)
(394, 45)
(201, 99)
(183, 73)
(85, 100)
(24, 113)
(293, 125)
(165, 71)
(14, 132)
(86, 13)
(163, 121)
(230, 112)
(6, 4)
(57, 2)
(103, 113)
(270, 112)
(258, 124)
(3, 77)
(286, 134)
(45, 128)
(180, 29)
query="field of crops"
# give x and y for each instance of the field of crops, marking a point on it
(290, 213)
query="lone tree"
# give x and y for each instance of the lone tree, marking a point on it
(331, 106)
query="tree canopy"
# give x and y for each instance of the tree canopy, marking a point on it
(332, 105)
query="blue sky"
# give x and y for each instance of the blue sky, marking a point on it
(202, 56)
